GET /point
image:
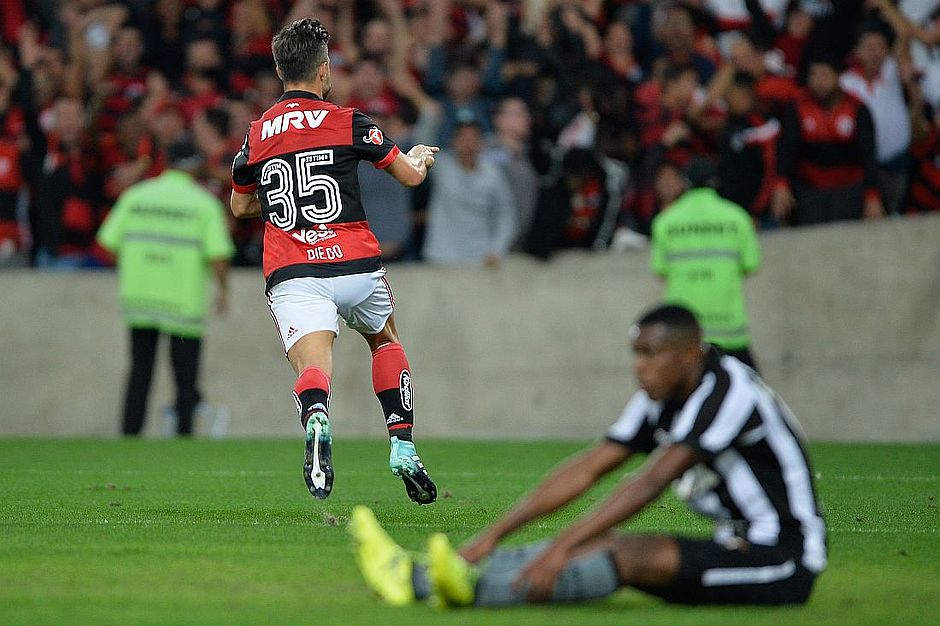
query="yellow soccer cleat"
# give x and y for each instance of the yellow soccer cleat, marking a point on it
(452, 578)
(384, 564)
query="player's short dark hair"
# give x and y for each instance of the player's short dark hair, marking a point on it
(300, 48)
(674, 317)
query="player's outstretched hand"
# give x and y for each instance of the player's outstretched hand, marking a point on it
(425, 153)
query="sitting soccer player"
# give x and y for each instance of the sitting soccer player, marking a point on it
(713, 426)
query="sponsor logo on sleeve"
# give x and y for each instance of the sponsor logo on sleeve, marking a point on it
(374, 136)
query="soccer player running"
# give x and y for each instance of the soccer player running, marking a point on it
(709, 423)
(297, 170)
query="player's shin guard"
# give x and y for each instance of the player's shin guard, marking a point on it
(391, 380)
(311, 391)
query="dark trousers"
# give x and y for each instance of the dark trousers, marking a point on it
(819, 206)
(184, 355)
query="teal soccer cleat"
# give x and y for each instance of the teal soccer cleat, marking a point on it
(404, 462)
(318, 456)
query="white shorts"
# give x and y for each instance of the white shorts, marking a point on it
(305, 305)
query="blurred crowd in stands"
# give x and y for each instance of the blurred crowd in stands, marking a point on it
(565, 123)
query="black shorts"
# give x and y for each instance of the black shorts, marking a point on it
(711, 573)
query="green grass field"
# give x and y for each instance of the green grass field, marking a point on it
(224, 532)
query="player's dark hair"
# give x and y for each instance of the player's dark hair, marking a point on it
(674, 317)
(300, 48)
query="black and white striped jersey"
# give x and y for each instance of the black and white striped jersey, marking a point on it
(755, 478)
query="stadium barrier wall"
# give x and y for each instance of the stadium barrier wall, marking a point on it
(844, 320)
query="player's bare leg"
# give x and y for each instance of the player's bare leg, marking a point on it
(391, 380)
(645, 561)
(312, 359)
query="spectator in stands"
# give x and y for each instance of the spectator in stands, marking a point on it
(370, 89)
(509, 149)
(203, 82)
(463, 88)
(669, 183)
(128, 155)
(766, 33)
(267, 89)
(11, 149)
(164, 46)
(678, 38)
(670, 129)
(205, 20)
(471, 217)
(703, 246)
(747, 167)
(67, 181)
(827, 164)
(252, 29)
(919, 22)
(575, 210)
(774, 86)
(126, 83)
(90, 29)
(581, 129)
(168, 125)
(210, 133)
(924, 193)
(877, 81)
(617, 55)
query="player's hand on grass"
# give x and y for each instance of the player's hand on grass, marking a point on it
(478, 549)
(538, 578)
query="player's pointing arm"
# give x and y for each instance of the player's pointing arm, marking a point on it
(412, 168)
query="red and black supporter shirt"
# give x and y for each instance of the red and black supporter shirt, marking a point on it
(301, 157)
(925, 180)
(826, 148)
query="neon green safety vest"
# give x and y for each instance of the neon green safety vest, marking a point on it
(703, 245)
(165, 231)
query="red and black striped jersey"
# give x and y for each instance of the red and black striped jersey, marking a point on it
(925, 180)
(827, 147)
(301, 156)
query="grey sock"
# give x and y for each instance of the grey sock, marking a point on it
(586, 578)
(420, 582)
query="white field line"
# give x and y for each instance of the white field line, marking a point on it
(431, 527)
(881, 478)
